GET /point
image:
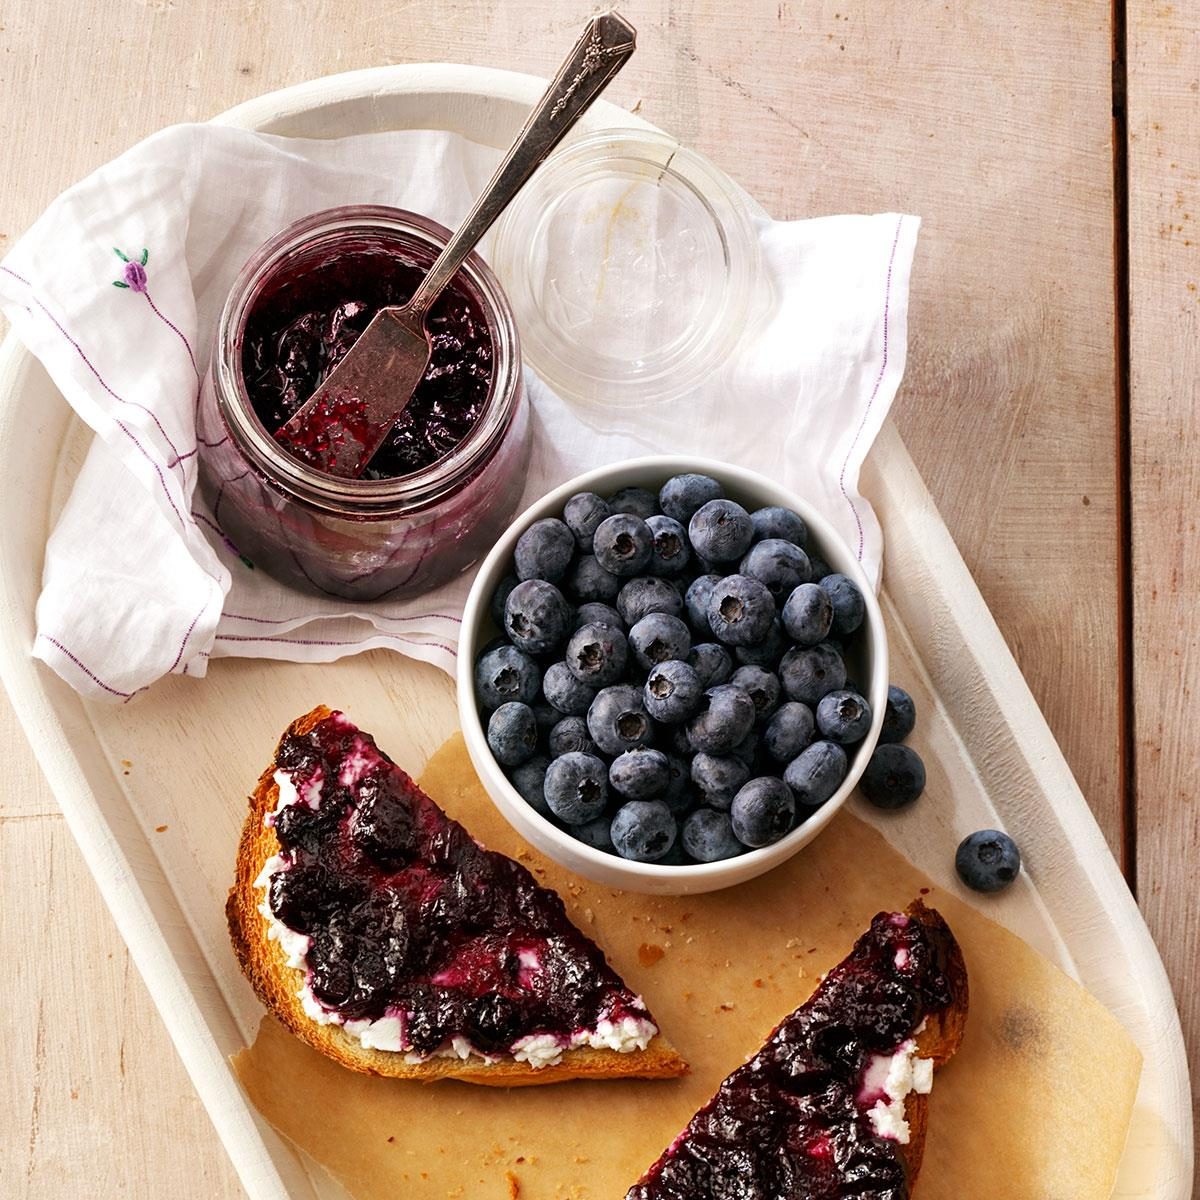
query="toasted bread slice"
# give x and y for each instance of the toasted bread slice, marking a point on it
(801, 1116)
(278, 985)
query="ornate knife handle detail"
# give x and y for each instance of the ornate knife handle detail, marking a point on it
(600, 44)
(608, 41)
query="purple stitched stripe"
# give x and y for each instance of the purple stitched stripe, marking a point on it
(157, 470)
(186, 636)
(399, 637)
(120, 424)
(171, 325)
(84, 668)
(179, 458)
(887, 299)
(288, 620)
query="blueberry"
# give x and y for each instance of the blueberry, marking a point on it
(500, 598)
(764, 689)
(546, 716)
(818, 567)
(643, 830)
(843, 717)
(596, 613)
(900, 716)
(708, 836)
(544, 550)
(618, 721)
(678, 795)
(576, 787)
(671, 551)
(816, 773)
(583, 514)
(809, 673)
(725, 719)
(711, 663)
(512, 734)
(808, 614)
(782, 523)
(506, 674)
(571, 733)
(894, 777)
(564, 692)
(657, 638)
(672, 692)
(740, 610)
(719, 778)
(848, 605)
(682, 495)
(596, 833)
(640, 774)
(778, 564)
(634, 500)
(596, 655)
(587, 581)
(536, 616)
(762, 811)
(677, 739)
(623, 544)
(789, 730)
(645, 595)
(766, 653)
(721, 531)
(747, 748)
(988, 861)
(530, 781)
(696, 600)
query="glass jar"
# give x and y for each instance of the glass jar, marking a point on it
(362, 539)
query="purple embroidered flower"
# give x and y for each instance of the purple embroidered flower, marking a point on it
(135, 271)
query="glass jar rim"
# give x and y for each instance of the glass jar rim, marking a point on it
(376, 497)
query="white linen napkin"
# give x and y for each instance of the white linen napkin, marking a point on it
(138, 580)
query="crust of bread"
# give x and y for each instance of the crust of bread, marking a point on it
(264, 964)
(940, 1038)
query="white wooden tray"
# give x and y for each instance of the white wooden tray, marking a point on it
(982, 736)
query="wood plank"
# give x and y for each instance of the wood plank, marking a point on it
(1164, 261)
(992, 121)
(94, 1099)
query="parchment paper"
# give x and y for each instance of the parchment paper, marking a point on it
(1035, 1106)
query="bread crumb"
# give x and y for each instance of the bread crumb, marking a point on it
(649, 954)
(391, 1139)
(514, 1185)
(725, 1006)
(126, 763)
(758, 983)
(589, 916)
(160, 829)
(791, 943)
(520, 1158)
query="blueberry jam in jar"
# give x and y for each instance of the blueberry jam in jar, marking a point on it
(450, 473)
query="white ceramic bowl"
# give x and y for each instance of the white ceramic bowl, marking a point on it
(868, 663)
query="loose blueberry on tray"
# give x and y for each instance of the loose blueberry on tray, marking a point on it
(988, 861)
(672, 687)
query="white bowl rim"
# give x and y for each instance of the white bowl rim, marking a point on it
(765, 857)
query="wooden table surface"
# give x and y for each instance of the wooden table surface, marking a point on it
(1050, 401)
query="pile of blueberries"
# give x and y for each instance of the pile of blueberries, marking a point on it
(672, 686)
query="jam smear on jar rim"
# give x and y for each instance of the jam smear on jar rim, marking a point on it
(408, 915)
(305, 320)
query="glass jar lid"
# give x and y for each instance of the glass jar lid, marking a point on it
(631, 264)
